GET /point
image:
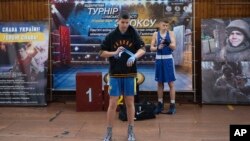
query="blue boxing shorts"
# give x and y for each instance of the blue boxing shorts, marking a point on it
(164, 68)
(122, 85)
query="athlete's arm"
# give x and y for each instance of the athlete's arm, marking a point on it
(106, 54)
(172, 45)
(140, 52)
(153, 46)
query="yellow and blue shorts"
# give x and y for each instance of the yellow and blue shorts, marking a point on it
(122, 85)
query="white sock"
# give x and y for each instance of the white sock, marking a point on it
(172, 101)
(160, 100)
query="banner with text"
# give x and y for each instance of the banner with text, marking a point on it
(90, 21)
(23, 63)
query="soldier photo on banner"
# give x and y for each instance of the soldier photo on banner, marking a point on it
(225, 60)
(225, 82)
(226, 40)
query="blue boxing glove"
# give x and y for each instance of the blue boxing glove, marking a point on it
(131, 60)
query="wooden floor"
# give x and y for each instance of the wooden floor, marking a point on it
(60, 122)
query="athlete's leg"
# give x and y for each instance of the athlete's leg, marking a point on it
(114, 92)
(160, 90)
(130, 106)
(172, 109)
(172, 91)
(111, 110)
(129, 92)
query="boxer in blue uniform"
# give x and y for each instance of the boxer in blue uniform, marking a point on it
(163, 43)
(122, 46)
